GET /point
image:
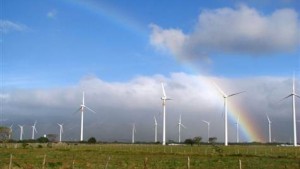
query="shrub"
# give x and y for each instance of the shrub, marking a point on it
(92, 140)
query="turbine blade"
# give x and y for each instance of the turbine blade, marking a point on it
(90, 109)
(163, 90)
(205, 121)
(82, 98)
(286, 97)
(183, 126)
(159, 114)
(297, 95)
(294, 82)
(268, 118)
(77, 110)
(219, 89)
(236, 93)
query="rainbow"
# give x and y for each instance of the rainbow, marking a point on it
(249, 131)
(112, 14)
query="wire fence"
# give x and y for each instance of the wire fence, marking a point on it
(148, 156)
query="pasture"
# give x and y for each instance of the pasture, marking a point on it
(127, 156)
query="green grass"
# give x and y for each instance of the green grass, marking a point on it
(127, 156)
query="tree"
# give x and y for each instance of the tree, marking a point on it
(189, 141)
(42, 140)
(212, 139)
(197, 140)
(4, 133)
(92, 140)
(52, 137)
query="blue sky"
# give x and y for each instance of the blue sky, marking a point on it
(60, 42)
(120, 51)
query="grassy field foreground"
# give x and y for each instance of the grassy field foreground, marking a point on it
(120, 156)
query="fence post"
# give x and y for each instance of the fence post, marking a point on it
(44, 161)
(145, 163)
(107, 162)
(10, 162)
(188, 163)
(240, 163)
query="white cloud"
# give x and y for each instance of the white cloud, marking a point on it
(7, 26)
(243, 30)
(52, 14)
(170, 39)
(120, 104)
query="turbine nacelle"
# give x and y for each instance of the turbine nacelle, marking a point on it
(155, 121)
(206, 122)
(164, 97)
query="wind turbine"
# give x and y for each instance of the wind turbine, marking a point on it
(179, 129)
(225, 96)
(237, 129)
(270, 132)
(133, 132)
(60, 130)
(293, 94)
(208, 125)
(155, 130)
(33, 130)
(21, 132)
(10, 131)
(81, 108)
(164, 98)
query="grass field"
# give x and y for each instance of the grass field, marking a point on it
(119, 156)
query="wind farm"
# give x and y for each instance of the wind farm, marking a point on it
(82, 83)
(163, 139)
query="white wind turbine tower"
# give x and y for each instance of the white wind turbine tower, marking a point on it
(270, 131)
(208, 125)
(225, 96)
(21, 132)
(237, 129)
(33, 130)
(81, 108)
(133, 132)
(293, 94)
(179, 129)
(155, 130)
(164, 98)
(10, 131)
(60, 130)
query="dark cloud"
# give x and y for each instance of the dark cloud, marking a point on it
(118, 105)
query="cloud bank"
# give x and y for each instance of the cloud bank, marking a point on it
(118, 105)
(242, 30)
(7, 26)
